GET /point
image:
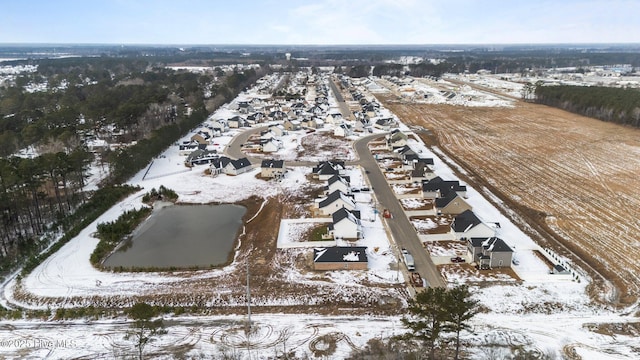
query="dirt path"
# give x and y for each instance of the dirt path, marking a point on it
(574, 177)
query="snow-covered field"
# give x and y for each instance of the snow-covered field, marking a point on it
(539, 312)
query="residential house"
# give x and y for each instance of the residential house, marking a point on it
(437, 187)
(327, 169)
(272, 169)
(467, 225)
(385, 124)
(279, 130)
(245, 107)
(200, 138)
(343, 130)
(337, 182)
(237, 167)
(291, 125)
(490, 252)
(397, 139)
(345, 225)
(277, 115)
(340, 258)
(256, 118)
(270, 145)
(267, 134)
(406, 152)
(186, 147)
(217, 165)
(200, 157)
(237, 122)
(219, 126)
(309, 123)
(335, 201)
(333, 118)
(452, 204)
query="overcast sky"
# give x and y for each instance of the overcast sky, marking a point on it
(319, 21)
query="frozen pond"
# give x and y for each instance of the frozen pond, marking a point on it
(182, 236)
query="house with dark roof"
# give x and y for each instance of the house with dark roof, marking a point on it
(334, 202)
(272, 169)
(237, 122)
(467, 225)
(340, 258)
(343, 130)
(200, 157)
(256, 118)
(327, 169)
(437, 187)
(244, 107)
(452, 204)
(237, 167)
(490, 252)
(337, 182)
(421, 171)
(345, 225)
(385, 124)
(217, 165)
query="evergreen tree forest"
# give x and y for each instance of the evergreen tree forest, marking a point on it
(128, 100)
(617, 105)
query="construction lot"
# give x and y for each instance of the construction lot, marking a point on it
(573, 179)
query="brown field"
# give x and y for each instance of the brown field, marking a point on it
(573, 179)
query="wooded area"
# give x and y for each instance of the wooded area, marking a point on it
(621, 106)
(143, 106)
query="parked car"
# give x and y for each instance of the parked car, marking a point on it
(458, 259)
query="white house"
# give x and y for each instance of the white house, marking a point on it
(270, 145)
(467, 225)
(338, 183)
(237, 167)
(335, 201)
(343, 130)
(345, 225)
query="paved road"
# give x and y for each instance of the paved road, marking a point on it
(402, 231)
(344, 108)
(234, 147)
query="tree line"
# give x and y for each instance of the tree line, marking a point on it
(42, 195)
(36, 193)
(617, 105)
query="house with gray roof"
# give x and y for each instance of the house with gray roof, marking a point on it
(467, 225)
(334, 202)
(272, 169)
(451, 204)
(237, 167)
(340, 258)
(489, 253)
(345, 225)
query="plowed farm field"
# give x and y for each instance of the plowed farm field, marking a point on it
(574, 179)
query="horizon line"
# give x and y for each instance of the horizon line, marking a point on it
(318, 45)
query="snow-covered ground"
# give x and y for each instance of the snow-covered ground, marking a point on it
(540, 312)
(425, 91)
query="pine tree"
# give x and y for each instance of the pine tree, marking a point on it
(460, 308)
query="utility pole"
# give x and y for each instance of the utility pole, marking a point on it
(248, 298)
(248, 333)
